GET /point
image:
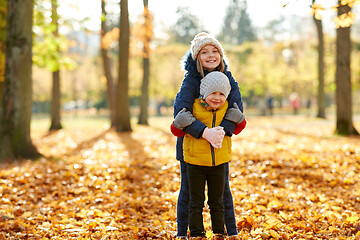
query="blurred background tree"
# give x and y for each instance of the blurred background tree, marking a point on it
(237, 27)
(122, 113)
(186, 26)
(2, 46)
(49, 48)
(344, 111)
(321, 61)
(146, 37)
(107, 38)
(55, 113)
(15, 116)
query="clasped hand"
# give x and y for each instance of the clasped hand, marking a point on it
(214, 136)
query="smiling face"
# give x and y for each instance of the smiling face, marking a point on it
(209, 57)
(215, 100)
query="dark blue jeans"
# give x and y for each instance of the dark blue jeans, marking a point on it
(183, 204)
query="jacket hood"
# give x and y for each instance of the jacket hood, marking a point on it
(189, 65)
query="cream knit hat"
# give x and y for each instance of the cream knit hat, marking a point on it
(215, 82)
(202, 39)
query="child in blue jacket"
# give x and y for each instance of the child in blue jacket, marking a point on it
(206, 163)
(206, 55)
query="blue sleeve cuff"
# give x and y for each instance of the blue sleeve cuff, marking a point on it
(229, 127)
(196, 129)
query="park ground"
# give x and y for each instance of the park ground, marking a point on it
(291, 178)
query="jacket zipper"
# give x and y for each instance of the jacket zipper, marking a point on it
(212, 148)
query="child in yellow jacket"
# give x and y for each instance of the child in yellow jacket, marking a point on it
(206, 162)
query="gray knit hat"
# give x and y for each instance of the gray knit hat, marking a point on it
(202, 39)
(215, 82)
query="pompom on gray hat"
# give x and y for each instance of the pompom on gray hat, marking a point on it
(202, 39)
(215, 82)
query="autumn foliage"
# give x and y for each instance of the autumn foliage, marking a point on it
(291, 179)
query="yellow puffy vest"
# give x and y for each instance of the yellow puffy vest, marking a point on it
(199, 151)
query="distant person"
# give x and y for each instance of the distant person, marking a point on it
(270, 104)
(206, 55)
(205, 162)
(308, 106)
(295, 104)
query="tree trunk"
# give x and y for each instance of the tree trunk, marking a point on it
(15, 138)
(2, 47)
(122, 116)
(344, 124)
(107, 68)
(55, 103)
(1, 91)
(144, 98)
(56, 93)
(321, 67)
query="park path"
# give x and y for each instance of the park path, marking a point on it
(290, 177)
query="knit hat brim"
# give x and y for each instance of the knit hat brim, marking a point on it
(202, 39)
(215, 82)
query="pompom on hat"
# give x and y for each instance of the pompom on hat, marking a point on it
(215, 82)
(202, 39)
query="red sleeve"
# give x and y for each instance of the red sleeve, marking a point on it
(240, 127)
(176, 132)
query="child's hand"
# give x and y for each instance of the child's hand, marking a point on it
(214, 136)
(183, 119)
(234, 114)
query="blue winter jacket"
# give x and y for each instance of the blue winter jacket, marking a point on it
(190, 89)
